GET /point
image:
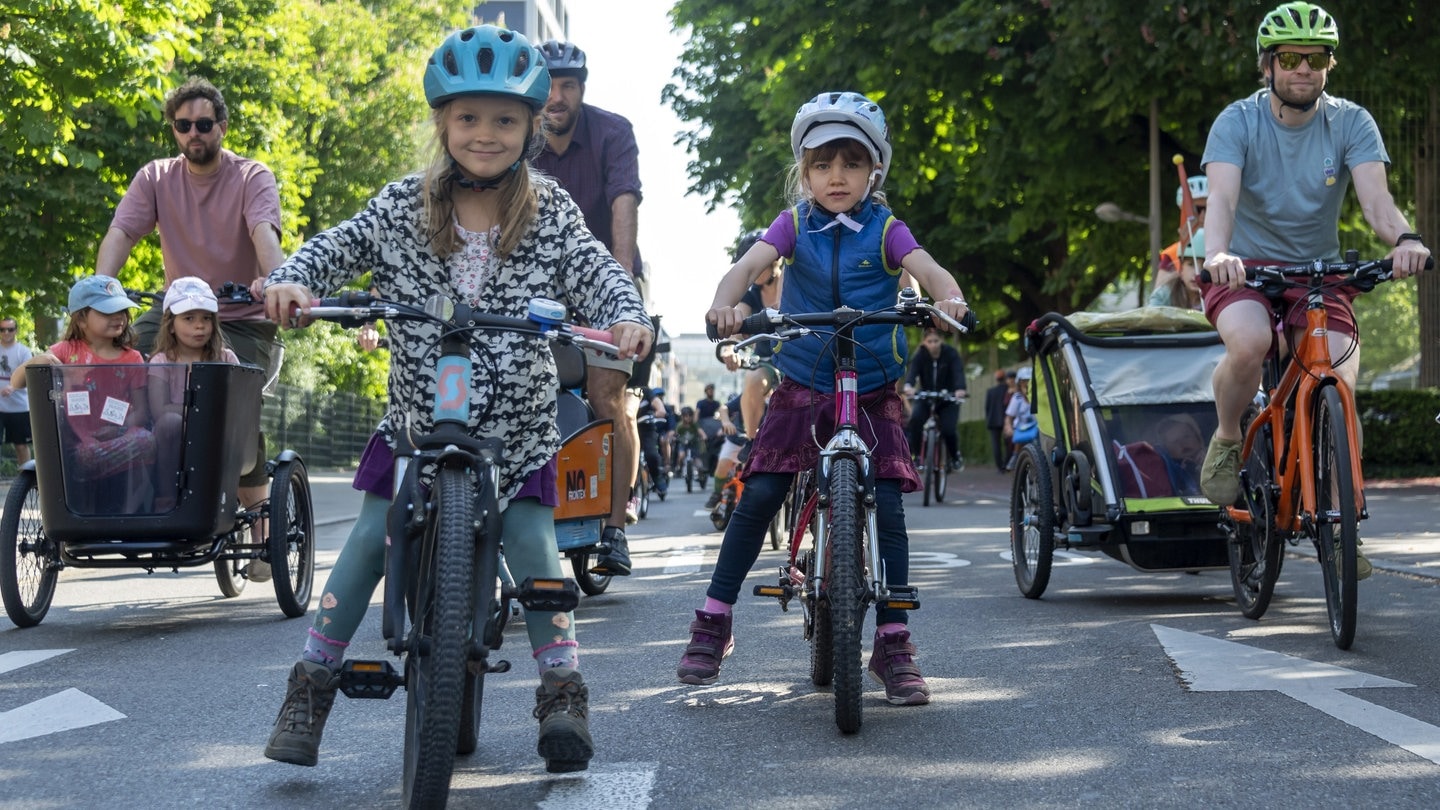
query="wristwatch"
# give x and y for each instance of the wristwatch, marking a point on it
(1410, 237)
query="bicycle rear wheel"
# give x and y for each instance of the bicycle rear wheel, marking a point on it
(941, 476)
(1336, 529)
(1032, 522)
(436, 672)
(845, 591)
(1257, 549)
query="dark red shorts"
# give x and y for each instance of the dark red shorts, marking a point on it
(1338, 305)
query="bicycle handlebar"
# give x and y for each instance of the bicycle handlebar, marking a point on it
(774, 325)
(1362, 275)
(354, 308)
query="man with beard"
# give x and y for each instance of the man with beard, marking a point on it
(219, 218)
(593, 155)
(1278, 164)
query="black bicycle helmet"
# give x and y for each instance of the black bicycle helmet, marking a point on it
(564, 59)
(743, 245)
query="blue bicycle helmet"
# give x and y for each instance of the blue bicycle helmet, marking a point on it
(487, 60)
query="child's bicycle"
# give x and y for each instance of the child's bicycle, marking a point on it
(445, 607)
(1301, 476)
(934, 456)
(840, 574)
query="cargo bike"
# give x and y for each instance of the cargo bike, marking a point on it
(1125, 409)
(107, 491)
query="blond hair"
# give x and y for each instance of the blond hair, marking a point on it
(519, 202)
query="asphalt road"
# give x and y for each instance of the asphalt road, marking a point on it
(1117, 689)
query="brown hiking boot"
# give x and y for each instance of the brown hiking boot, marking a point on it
(309, 694)
(562, 705)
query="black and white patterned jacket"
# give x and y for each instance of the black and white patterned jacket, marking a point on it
(514, 384)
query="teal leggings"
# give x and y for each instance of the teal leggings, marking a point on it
(530, 551)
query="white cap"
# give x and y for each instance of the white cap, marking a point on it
(1024, 373)
(190, 293)
(822, 134)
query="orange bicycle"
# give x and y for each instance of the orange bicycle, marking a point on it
(1301, 475)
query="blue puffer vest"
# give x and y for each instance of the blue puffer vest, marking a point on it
(836, 267)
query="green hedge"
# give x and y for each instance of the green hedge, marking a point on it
(1401, 437)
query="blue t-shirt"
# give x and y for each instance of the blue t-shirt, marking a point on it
(1292, 179)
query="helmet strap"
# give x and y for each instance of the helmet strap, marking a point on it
(484, 183)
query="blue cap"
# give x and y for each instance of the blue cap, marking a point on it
(100, 293)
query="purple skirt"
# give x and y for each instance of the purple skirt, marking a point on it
(376, 475)
(785, 442)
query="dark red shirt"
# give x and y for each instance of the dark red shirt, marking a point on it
(600, 164)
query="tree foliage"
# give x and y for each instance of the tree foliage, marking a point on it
(325, 92)
(1011, 120)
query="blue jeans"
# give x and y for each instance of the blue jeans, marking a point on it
(764, 495)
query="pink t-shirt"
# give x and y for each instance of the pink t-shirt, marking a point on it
(162, 368)
(87, 398)
(205, 221)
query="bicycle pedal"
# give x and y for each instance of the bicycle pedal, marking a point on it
(372, 680)
(553, 595)
(903, 597)
(782, 592)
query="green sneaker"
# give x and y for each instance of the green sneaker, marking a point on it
(1363, 568)
(1220, 474)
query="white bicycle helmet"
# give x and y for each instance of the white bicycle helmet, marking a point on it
(833, 116)
(1199, 189)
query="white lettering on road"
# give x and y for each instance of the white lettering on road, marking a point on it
(64, 711)
(1215, 665)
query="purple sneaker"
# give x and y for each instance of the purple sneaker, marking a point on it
(710, 642)
(892, 663)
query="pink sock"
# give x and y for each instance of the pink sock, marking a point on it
(716, 606)
(889, 627)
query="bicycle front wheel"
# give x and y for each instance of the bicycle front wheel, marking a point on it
(927, 475)
(29, 561)
(845, 591)
(1336, 529)
(435, 671)
(941, 475)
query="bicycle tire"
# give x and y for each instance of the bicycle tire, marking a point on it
(1032, 522)
(942, 469)
(1256, 550)
(492, 613)
(436, 672)
(1336, 538)
(230, 572)
(845, 590)
(927, 451)
(28, 559)
(689, 474)
(291, 542)
(591, 584)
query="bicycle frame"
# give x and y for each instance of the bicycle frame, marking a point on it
(1292, 399)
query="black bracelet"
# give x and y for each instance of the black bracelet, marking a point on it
(1410, 237)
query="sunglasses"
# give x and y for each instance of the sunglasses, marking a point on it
(203, 125)
(1289, 60)
(7, 329)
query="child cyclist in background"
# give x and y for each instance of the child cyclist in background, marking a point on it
(843, 247)
(106, 411)
(480, 227)
(189, 333)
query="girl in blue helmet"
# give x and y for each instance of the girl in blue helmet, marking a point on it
(476, 225)
(842, 246)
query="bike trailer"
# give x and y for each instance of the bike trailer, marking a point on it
(1126, 411)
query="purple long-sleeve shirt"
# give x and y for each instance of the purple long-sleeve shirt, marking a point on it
(601, 163)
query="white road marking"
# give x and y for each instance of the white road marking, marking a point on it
(24, 658)
(1215, 665)
(625, 788)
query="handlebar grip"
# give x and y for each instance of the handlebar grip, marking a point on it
(602, 335)
(969, 321)
(756, 324)
(711, 332)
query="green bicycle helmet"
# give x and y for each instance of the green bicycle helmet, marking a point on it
(487, 60)
(1297, 23)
